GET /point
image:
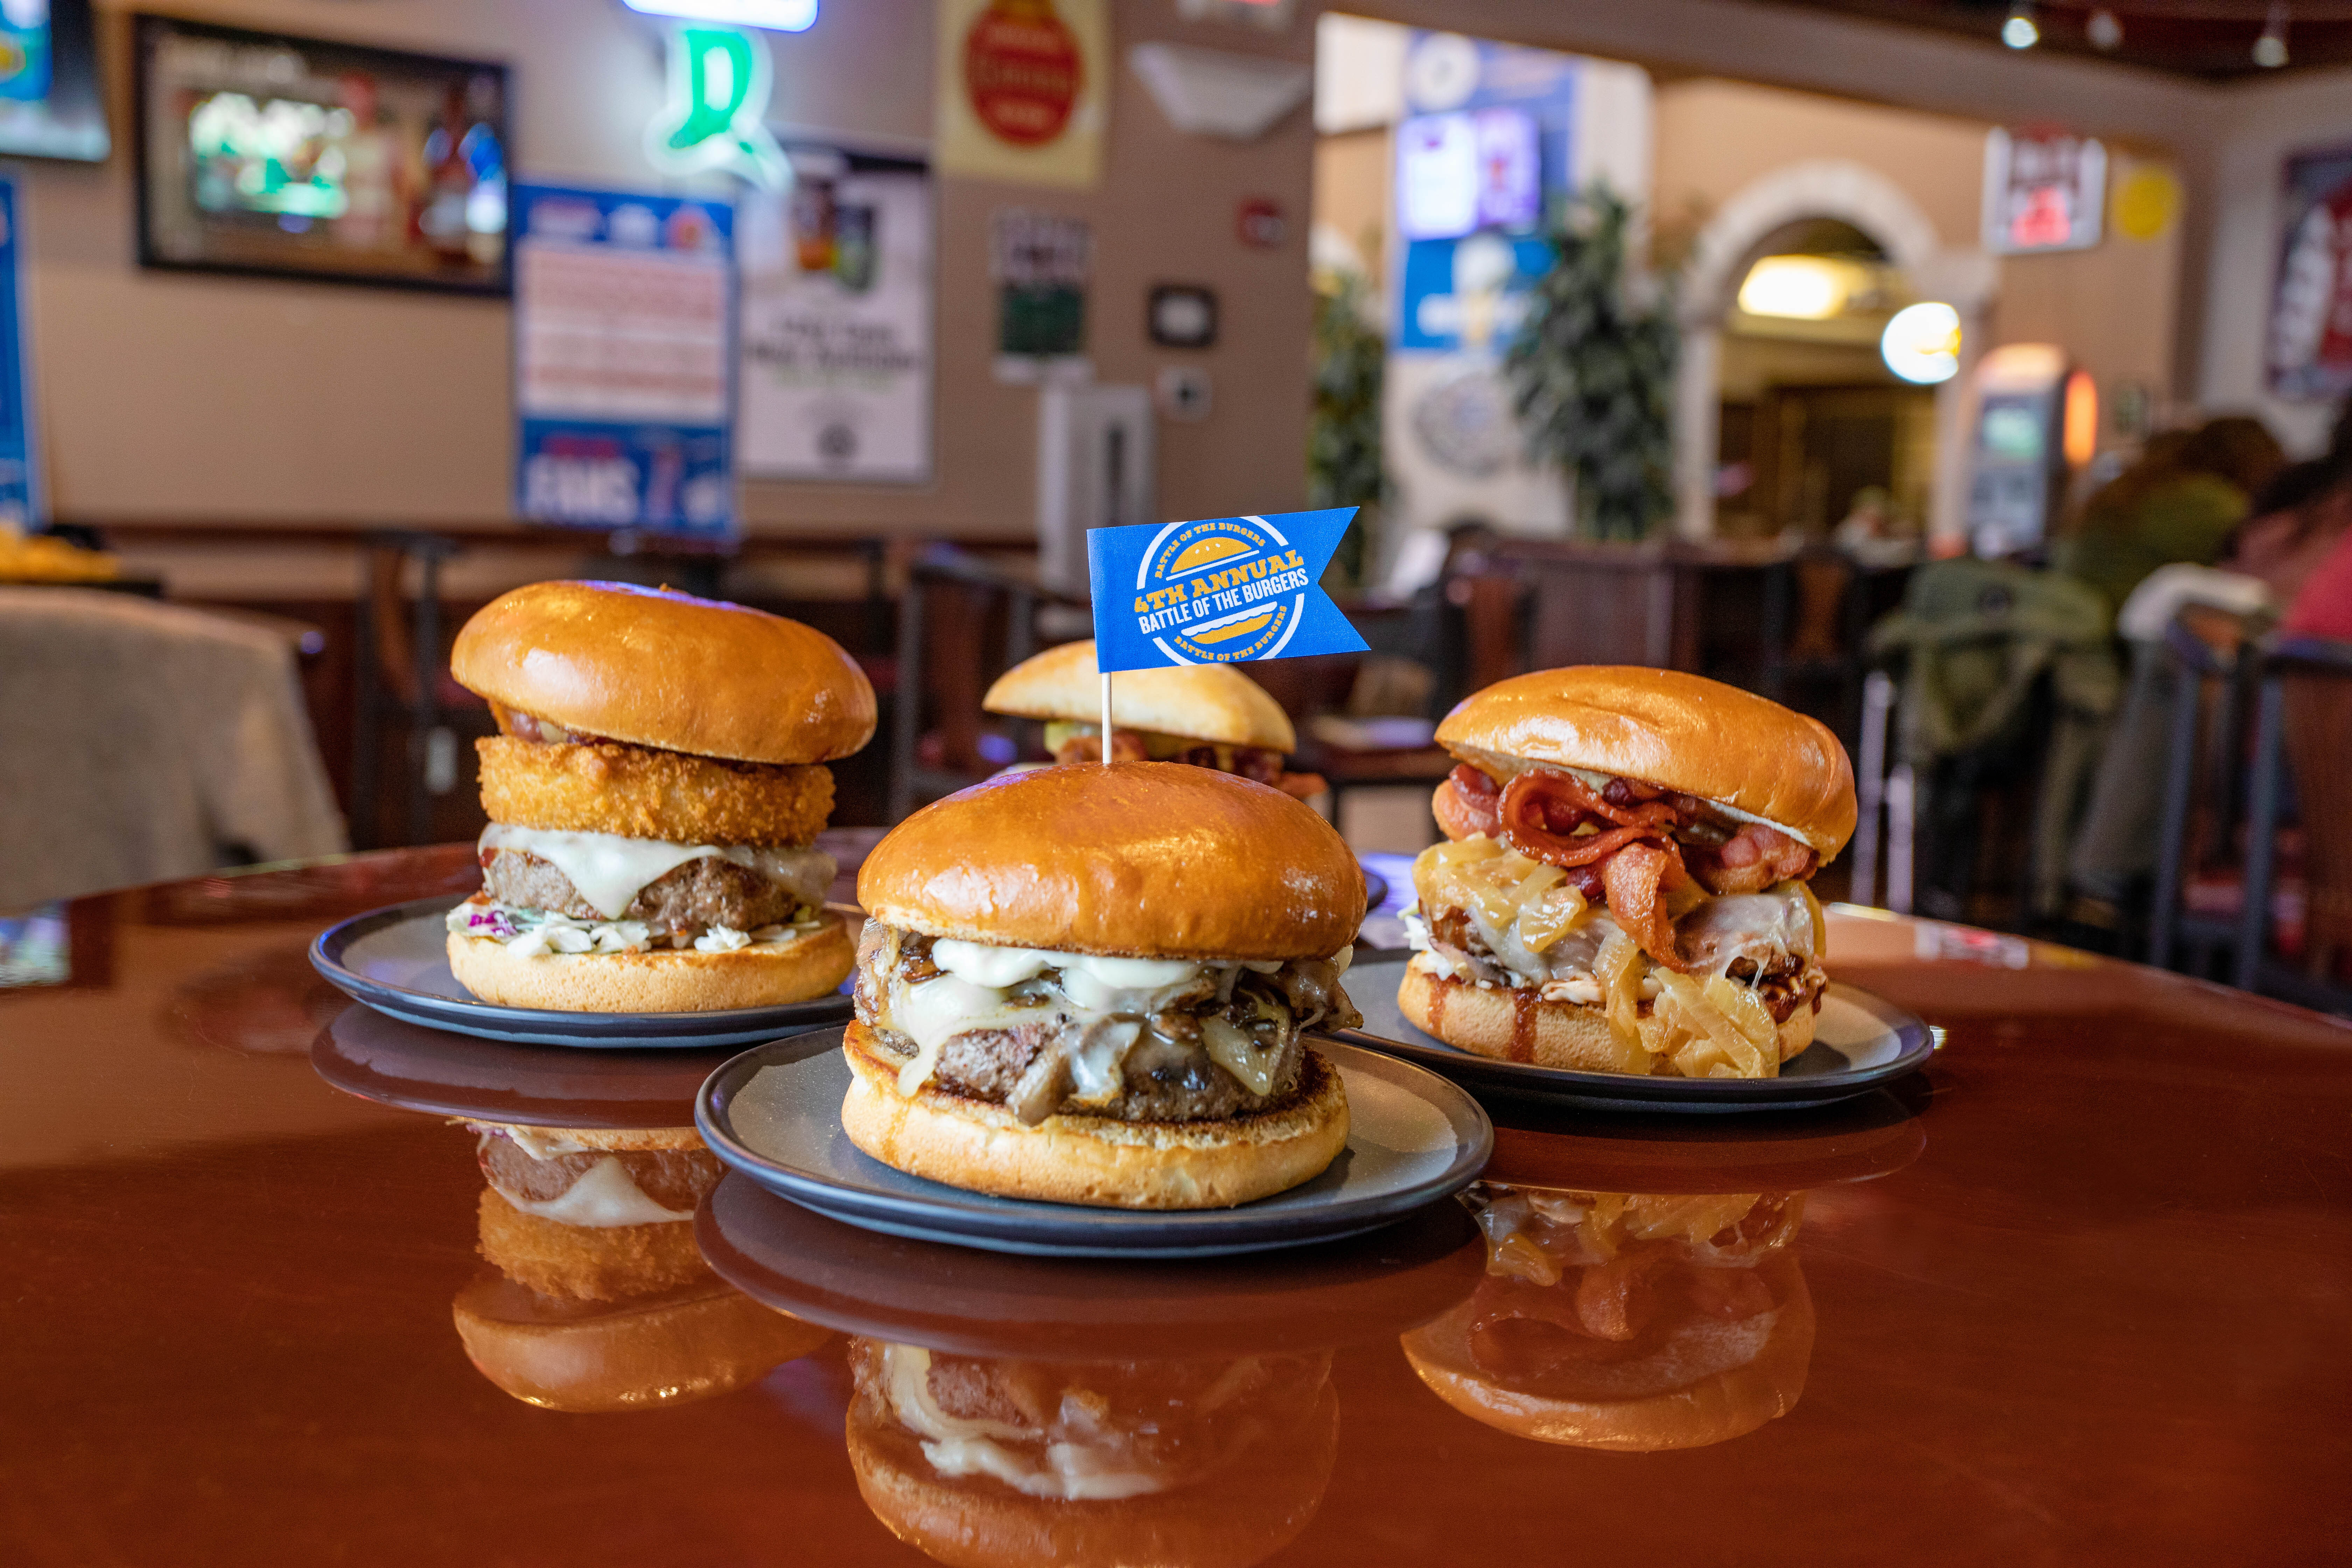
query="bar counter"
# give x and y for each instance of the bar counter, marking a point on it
(2080, 1290)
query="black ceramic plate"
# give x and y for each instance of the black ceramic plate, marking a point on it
(774, 1114)
(397, 960)
(970, 1302)
(379, 1058)
(1859, 1042)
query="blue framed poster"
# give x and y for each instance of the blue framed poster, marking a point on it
(624, 363)
(1485, 154)
(21, 501)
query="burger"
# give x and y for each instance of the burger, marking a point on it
(983, 1462)
(1210, 715)
(1623, 883)
(596, 1299)
(653, 792)
(1095, 984)
(1633, 1322)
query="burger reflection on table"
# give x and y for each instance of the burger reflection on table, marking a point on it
(981, 1461)
(597, 1298)
(1634, 1322)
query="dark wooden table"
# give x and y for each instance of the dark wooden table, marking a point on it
(2082, 1293)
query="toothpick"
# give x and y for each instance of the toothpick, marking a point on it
(1106, 718)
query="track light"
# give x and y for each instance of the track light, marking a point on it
(2021, 31)
(2106, 32)
(2270, 50)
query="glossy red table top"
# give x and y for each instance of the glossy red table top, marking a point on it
(2080, 1291)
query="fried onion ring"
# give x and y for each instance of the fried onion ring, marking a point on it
(639, 793)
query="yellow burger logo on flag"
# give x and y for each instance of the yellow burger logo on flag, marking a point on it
(1227, 589)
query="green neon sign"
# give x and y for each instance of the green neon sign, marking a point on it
(716, 116)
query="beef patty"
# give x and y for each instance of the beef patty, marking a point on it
(674, 1178)
(1167, 1075)
(704, 892)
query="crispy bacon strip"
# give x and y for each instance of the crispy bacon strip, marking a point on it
(1751, 860)
(1636, 879)
(1126, 746)
(1542, 811)
(1467, 805)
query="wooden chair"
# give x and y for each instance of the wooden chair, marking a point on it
(945, 618)
(2303, 722)
(400, 677)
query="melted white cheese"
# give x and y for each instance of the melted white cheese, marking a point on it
(937, 1011)
(973, 1447)
(610, 871)
(604, 1198)
(1001, 966)
(539, 1142)
(971, 993)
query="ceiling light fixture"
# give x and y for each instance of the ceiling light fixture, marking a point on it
(775, 16)
(1922, 342)
(1794, 288)
(2021, 31)
(2270, 50)
(2106, 32)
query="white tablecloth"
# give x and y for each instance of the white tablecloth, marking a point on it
(140, 742)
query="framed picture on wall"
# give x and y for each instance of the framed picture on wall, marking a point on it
(2310, 338)
(262, 153)
(49, 101)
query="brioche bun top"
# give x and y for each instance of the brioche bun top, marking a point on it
(654, 668)
(1683, 1412)
(1200, 701)
(1691, 734)
(1136, 860)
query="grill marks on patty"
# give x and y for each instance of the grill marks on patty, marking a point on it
(1167, 1075)
(675, 1178)
(702, 892)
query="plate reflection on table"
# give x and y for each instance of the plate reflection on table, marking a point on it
(596, 1299)
(1018, 1410)
(363, 1052)
(980, 1461)
(1630, 1321)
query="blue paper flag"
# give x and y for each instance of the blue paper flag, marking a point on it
(1228, 590)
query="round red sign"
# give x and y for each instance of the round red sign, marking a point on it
(1022, 70)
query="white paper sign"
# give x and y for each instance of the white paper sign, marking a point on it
(836, 308)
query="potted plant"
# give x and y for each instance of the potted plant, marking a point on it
(1591, 370)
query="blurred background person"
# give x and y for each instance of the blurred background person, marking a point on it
(2181, 501)
(2294, 532)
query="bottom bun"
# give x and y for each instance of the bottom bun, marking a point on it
(665, 980)
(1095, 1160)
(1513, 1025)
(1711, 1409)
(1234, 1520)
(666, 1350)
(588, 1263)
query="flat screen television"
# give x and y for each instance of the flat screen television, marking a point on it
(51, 106)
(1468, 170)
(264, 154)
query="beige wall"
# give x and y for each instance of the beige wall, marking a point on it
(192, 397)
(179, 397)
(1715, 137)
(2114, 307)
(1351, 195)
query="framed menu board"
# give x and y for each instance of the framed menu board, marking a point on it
(258, 152)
